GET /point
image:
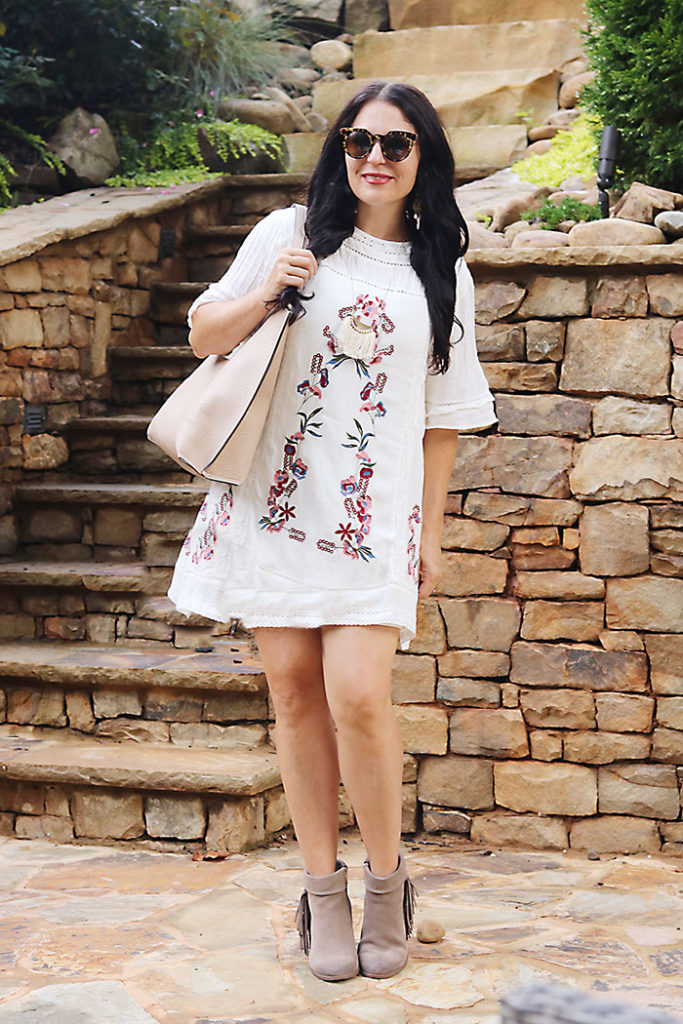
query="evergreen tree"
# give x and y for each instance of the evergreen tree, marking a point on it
(636, 49)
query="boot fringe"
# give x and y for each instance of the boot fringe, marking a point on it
(409, 899)
(303, 922)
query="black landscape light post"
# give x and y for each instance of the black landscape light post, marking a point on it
(607, 162)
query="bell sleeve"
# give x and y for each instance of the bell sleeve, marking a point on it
(253, 262)
(460, 399)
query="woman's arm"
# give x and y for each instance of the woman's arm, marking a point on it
(439, 447)
(217, 327)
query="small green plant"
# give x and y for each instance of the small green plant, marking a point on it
(33, 142)
(573, 151)
(173, 154)
(484, 218)
(551, 215)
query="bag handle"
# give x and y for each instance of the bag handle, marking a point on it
(299, 238)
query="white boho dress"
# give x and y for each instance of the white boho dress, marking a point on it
(326, 527)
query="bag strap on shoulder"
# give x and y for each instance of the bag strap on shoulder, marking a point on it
(299, 237)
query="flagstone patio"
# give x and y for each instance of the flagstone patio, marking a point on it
(110, 936)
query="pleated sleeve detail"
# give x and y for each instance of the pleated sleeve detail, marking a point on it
(460, 399)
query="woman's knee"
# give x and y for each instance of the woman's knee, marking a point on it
(293, 669)
(359, 703)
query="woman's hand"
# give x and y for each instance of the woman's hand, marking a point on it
(292, 267)
(430, 565)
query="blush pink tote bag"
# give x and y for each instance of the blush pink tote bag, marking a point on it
(212, 423)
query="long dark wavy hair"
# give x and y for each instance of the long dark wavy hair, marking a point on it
(442, 234)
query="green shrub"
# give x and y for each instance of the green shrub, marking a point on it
(172, 156)
(139, 60)
(636, 50)
(550, 215)
(573, 151)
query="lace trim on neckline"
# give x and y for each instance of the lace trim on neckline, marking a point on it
(363, 244)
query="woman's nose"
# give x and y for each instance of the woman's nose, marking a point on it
(376, 155)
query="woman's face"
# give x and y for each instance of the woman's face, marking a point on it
(374, 180)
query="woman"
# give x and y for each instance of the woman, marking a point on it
(325, 548)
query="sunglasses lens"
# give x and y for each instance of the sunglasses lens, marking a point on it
(396, 146)
(358, 144)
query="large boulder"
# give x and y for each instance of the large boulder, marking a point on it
(86, 145)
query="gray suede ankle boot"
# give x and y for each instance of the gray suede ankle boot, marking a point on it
(387, 922)
(325, 926)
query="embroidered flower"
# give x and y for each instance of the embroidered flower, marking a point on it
(300, 469)
(287, 511)
(345, 532)
(348, 486)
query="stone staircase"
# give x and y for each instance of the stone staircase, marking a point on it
(120, 719)
(486, 66)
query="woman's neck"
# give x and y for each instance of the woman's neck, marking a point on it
(386, 222)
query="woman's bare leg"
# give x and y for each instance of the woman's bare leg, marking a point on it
(305, 740)
(357, 663)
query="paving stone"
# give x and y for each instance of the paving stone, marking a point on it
(553, 415)
(89, 1002)
(618, 296)
(111, 703)
(578, 666)
(500, 341)
(562, 585)
(628, 468)
(545, 744)
(529, 464)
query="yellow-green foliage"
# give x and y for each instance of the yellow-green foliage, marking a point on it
(573, 151)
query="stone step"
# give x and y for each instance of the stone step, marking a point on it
(94, 576)
(98, 425)
(138, 766)
(152, 496)
(102, 792)
(171, 299)
(471, 49)
(418, 14)
(230, 667)
(214, 239)
(467, 48)
(152, 362)
(479, 151)
(464, 99)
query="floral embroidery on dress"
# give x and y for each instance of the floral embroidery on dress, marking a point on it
(200, 542)
(359, 336)
(357, 503)
(286, 478)
(414, 519)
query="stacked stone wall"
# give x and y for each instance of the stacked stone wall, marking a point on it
(543, 695)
